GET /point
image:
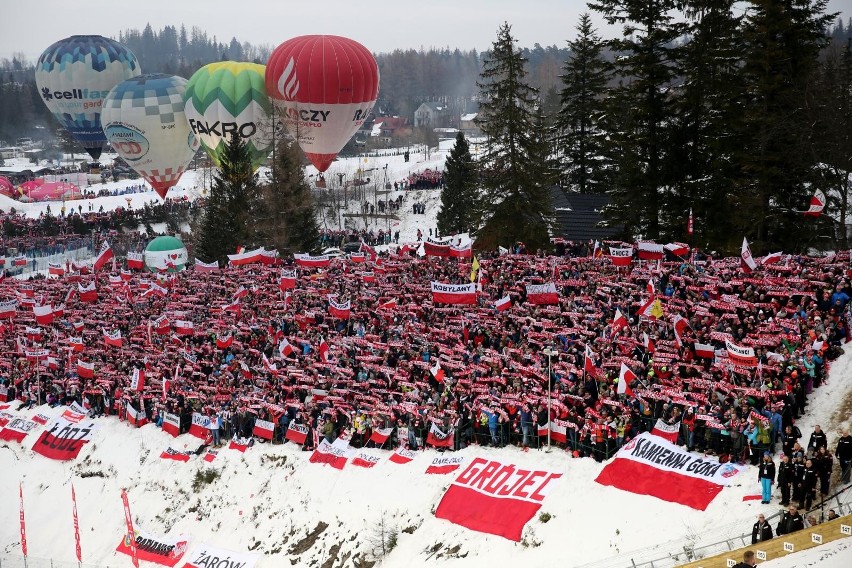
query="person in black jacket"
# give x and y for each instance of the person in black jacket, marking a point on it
(790, 437)
(808, 486)
(785, 479)
(766, 477)
(817, 440)
(761, 530)
(843, 453)
(749, 560)
(791, 522)
(798, 472)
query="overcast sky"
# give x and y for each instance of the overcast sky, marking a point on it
(381, 25)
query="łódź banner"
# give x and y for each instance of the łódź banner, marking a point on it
(649, 465)
(163, 550)
(63, 439)
(494, 497)
(206, 556)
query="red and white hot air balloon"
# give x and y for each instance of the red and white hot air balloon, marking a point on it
(324, 87)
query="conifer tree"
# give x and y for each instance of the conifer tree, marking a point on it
(579, 134)
(228, 219)
(517, 202)
(460, 202)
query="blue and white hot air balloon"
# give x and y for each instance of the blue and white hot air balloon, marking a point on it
(74, 76)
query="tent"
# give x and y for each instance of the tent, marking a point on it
(40, 190)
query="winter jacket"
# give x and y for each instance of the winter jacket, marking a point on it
(761, 532)
(790, 523)
(767, 471)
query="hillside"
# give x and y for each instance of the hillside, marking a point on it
(273, 501)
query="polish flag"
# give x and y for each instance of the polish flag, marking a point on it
(388, 305)
(443, 465)
(76, 343)
(224, 341)
(200, 427)
(43, 314)
(747, 262)
(436, 248)
(59, 311)
(263, 429)
(297, 433)
(358, 258)
(335, 455)
(308, 261)
(648, 465)
(240, 293)
(369, 250)
(648, 343)
(239, 445)
(589, 363)
(363, 459)
(666, 431)
(85, 370)
(402, 456)
(171, 454)
(771, 258)
(113, 338)
(619, 322)
(625, 377)
(284, 348)
(380, 435)
(323, 351)
(7, 309)
(161, 325)
(338, 310)
(201, 266)
(621, 256)
(463, 294)
(88, 293)
(465, 251)
(439, 438)
(817, 204)
(678, 249)
(503, 303)
(104, 256)
(17, 429)
(137, 380)
(55, 269)
(649, 250)
(438, 372)
(171, 424)
(704, 351)
(740, 355)
(243, 258)
(680, 325)
(136, 417)
(183, 327)
(135, 261)
(287, 280)
(19, 261)
(542, 294)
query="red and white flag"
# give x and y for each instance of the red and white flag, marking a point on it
(621, 256)
(263, 429)
(402, 456)
(136, 417)
(542, 294)
(817, 204)
(113, 338)
(464, 251)
(323, 351)
(55, 269)
(440, 439)
(443, 465)
(678, 249)
(224, 341)
(162, 550)
(337, 309)
(105, 255)
(88, 293)
(648, 343)
(129, 541)
(369, 250)
(297, 433)
(17, 429)
(438, 372)
(558, 431)
(284, 348)
(85, 369)
(243, 258)
(201, 266)
(64, 439)
(43, 314)
(135, 261)
(8, 308)
(771, 258)
(19, 261)
(649, 250)
(680, 325)
(241, 445)
(705, 351)
(23, 521)
(668, 432)
(747, 262)
(171, 424)
(619, 322)
(648, 465)
(741, 355)
(463, 294)
(380, 435)
(495, 497)
(137, 380)
(363, 459)
(335, 455)
(287, 280)
(589, 362)
(183, 327)
(503, 303)
(433, 247)
(308, 261)
(625, 377)
(200, 427)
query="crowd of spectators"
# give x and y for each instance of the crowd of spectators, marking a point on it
(404, 363)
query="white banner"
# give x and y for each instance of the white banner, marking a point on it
(207, 556)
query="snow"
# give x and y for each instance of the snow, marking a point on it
(270, 497)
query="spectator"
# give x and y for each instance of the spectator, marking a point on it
(843, 453)
(790, 522)
(766, 477)
(808, 485)
(749, 560)
(761, 531)
(785, 479)
(817, 440)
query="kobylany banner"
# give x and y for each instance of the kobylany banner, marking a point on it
(494, 497)
(63, 439)
(206, 556)
(650, 465)
(159, 549)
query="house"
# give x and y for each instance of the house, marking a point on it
(578, 216)
(389, 129)
(432, 114)
(468, 125)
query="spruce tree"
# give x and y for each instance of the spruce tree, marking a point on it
(641, 105)
(517, 203)
(290, 222)
(580, 135)
(460, 202)
(228, 219)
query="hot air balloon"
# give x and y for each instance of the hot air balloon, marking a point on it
(144, 121)
(230, 97)
(74, 76)
(325, 87)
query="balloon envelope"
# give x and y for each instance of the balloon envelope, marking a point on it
(324, 87)
(144, 121)
(74, 76)
(230, 97)
(7, 188)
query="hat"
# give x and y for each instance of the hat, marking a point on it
(766, 454)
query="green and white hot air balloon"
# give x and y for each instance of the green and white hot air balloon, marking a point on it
(227, 98)
(165, 253)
